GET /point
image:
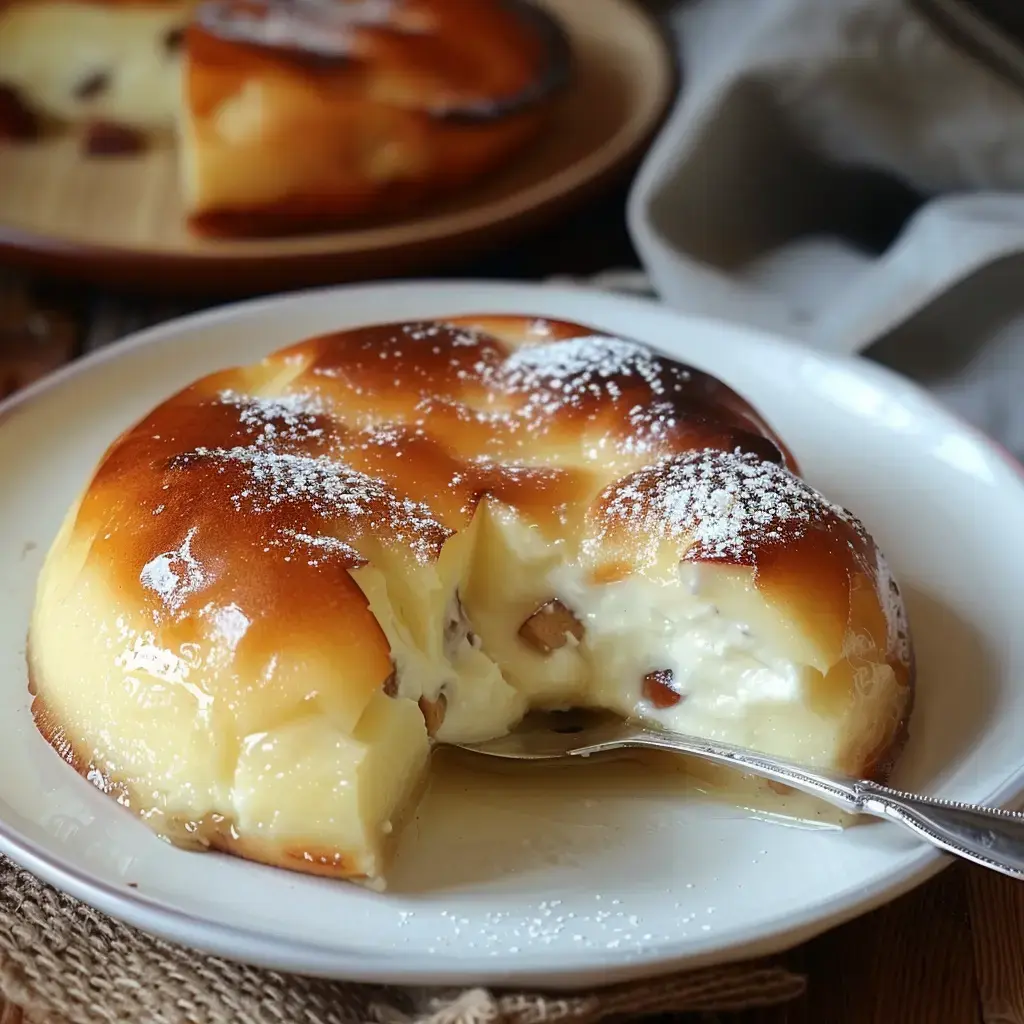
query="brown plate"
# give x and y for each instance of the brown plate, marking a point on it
(118, 220)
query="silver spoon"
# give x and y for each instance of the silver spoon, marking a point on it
(988, 836)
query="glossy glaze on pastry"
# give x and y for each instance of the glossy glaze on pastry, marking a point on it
(280, 584)
(369, 108)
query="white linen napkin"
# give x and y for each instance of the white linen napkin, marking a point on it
(842, 171)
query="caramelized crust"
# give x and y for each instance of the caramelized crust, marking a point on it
(387, 435)
(356, 111)
(226, 536)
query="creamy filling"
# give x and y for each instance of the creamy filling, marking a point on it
(479, 703)
(711, 671)
(441, 666)
(692, 648)
(650, 650)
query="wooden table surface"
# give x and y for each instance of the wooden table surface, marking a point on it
(951, 952)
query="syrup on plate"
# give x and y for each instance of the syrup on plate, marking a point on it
(482, 819)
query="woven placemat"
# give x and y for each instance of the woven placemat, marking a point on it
(65, 963)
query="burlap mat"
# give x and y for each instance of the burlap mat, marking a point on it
(65, 963)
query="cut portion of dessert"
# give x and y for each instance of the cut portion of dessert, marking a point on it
(287, 582)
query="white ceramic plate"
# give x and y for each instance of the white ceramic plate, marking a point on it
(576, 889)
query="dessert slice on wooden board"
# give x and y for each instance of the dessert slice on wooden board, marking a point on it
(288, 117)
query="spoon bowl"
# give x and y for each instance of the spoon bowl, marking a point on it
(558, 735)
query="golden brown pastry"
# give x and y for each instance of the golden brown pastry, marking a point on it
(280, 584)
(309, 114)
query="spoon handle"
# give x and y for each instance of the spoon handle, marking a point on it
(988, 836)
(985, 835)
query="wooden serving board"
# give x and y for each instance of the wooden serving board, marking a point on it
(117, 221)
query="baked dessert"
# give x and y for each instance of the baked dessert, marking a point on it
(368, 107)
(290, 578)
(290, 115)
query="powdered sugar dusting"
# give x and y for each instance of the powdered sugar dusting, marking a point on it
(455, 336)
(291, 408)
(894, 609)
(174, 575)
(593, 357)
(325, 29)
(290, 416)
(565, 374)
(323, 547)
(324, 488)
(649, 425)
(729, 503)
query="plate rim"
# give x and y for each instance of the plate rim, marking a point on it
(562, 973)
(318, 260)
